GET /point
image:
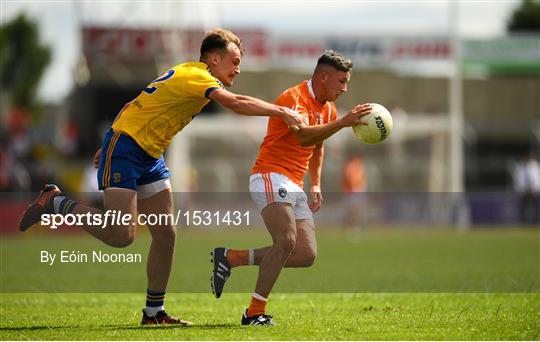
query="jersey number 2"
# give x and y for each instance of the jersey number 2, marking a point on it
(150, 90)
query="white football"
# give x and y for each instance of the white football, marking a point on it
(379, 125)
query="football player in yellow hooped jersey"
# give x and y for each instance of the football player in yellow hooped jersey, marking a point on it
(131, 169)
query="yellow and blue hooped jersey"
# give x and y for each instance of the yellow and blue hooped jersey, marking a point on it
(166, 106)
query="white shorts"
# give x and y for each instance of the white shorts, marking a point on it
(268, 188)
(147, 190)
(150, 189)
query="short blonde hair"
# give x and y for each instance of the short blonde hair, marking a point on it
(219, 39)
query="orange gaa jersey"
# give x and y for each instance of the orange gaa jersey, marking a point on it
(280, 151)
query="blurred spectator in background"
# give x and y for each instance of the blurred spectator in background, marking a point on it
(13, 175)
(527, 185)
(354, 182)
(400, 118)
(90, 194)
(18, 124)
(69, 138)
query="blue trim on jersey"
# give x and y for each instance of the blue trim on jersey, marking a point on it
(129, 165)
(209, 91)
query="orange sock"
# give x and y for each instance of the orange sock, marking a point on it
(238, 257)
(257, 305)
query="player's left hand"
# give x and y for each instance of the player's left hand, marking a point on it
(355, 115)
(316, 198)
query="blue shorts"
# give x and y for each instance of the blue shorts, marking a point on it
(124, 164)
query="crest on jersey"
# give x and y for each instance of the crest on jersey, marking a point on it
(282, 192)
(318, 118)
(117, 177)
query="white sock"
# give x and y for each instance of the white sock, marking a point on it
(251, 257)
(151, 311)
(259, 297)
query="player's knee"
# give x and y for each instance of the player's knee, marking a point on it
(286, 244)
(309, 257)
(164, 236)
(122, 240)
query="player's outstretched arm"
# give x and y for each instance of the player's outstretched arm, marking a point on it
(312, 135)
(247, 105)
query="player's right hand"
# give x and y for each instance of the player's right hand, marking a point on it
(97, 156)
(293, 119)
(354, 117)
(316, 199)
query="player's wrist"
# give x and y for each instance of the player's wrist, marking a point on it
(341, 123)
(280, 112)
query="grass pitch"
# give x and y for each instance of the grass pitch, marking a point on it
(300, 317)
(480, 285)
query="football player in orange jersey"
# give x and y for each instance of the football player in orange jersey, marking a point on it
(277, 180)
(131, 170)
(354, 182)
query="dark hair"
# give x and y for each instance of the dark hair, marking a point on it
(336, 60)
(219, 39)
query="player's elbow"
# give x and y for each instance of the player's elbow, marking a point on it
(305, 137)
(305, 141)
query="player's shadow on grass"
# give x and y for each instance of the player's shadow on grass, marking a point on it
(124, 327)
(158, 327)
(39, 327)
